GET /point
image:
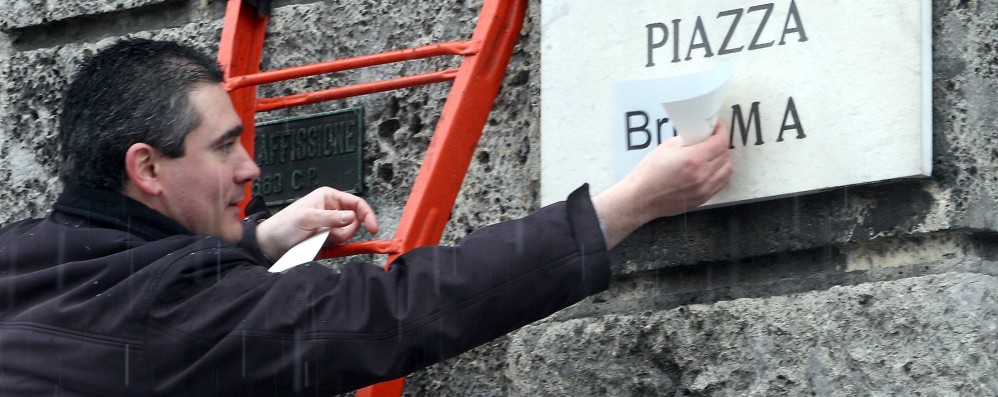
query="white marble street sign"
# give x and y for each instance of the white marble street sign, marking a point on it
(826, 93)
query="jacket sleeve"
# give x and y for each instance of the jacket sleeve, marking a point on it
(316, 331)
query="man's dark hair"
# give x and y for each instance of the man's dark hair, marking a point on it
(133, 91)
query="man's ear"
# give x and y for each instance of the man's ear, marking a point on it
(142, 167)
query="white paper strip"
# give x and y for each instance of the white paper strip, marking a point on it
(693, 102)
(305, 251)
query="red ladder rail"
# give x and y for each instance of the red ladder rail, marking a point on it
(475, 85)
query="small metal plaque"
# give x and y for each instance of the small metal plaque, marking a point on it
(299, 154)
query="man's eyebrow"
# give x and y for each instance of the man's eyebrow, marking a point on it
(235, 132)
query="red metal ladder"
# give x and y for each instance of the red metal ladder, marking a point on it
(475, 84)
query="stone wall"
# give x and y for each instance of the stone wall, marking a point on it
(883, 289)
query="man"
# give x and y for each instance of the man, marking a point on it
(144, 281)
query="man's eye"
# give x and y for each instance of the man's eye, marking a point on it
(227, 147)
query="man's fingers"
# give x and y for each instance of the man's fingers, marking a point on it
(719, 178)
(341, 235)
(716, 163)
(673, 142)
(365, 214)
(370, 222)
(341, 218)
(345, 201)
(717, 144)
(312, 218)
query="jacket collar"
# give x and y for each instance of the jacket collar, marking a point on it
(116, 210)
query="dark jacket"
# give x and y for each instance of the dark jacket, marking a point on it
(107, 297)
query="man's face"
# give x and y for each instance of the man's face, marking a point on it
(203, 188)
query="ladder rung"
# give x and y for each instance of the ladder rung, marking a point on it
(268, 104)
(461, 48)
(361, 247)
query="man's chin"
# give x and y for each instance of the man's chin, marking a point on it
(233, 232)
(232, 239)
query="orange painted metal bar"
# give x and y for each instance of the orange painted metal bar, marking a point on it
(239, 54)
(455, 138)
(475, 85)
(459, 128)
(462, 48)
(269, 104)
(361, 247)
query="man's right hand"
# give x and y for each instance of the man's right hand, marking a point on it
(325, 207)
(670, 180)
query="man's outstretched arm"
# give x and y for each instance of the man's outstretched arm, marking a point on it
(671, 180)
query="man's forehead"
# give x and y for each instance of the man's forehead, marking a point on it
(219, 120)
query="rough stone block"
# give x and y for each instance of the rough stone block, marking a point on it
(933, 335)
(19, 14)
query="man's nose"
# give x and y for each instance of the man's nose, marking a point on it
(247, 170)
